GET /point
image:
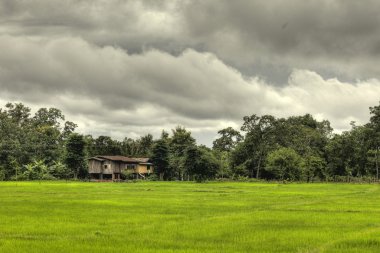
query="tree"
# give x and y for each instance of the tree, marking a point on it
(47, 137)
(223, 146)
(224, 159)
(375, 127)
(90, 145)
(180, 141)
(146, 144)
(18, 112)
(68, 129)
(347, 154)
(160, 158)
(37, 170)
(314, 166)
(258, 141)
(130, 147)
(104, 145)
(60, 170)
(285, 164)
(228, 140)
(200, 163)
(76, 155)
(304, 134)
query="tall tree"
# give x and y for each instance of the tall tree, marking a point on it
(285, 164)
(105, 145)
(200, 163)
(375, 126)
(76, 155)
(160, 158)
(222, 148)
(48, 145)
(146, 144)
(314, 167)
(258, 141)
(181, 140)
(228, 139)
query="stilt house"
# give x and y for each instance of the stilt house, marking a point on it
(112, 167)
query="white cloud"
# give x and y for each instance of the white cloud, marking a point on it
(108, 91)
(341, 102)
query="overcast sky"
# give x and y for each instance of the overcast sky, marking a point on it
(128, 68)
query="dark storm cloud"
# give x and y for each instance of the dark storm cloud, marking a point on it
(132, 25)
(139, 66)
(254, 36)
(156, 88)
(192, 85)
(321, 35)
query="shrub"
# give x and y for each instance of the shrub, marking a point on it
(153, 177)
(285, 164)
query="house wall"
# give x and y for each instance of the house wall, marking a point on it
(94, 166)
(143, 169)
(108, 167)
(124, 167)
(111, 167)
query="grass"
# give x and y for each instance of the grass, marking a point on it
(188, 217)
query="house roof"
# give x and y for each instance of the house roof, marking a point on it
(142, 160)
(96, 158)
(120, 158)
(146, 163)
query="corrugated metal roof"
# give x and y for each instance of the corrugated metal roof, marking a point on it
(143, 159)
(96, 158)
(121, 158)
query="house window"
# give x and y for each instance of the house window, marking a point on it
(130, 166)
(148, 167)
(106, 166)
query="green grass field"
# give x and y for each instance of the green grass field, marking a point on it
(188, 217)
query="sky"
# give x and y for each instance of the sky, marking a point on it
(128, 68)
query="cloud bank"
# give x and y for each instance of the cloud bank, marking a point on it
(335, 38)
(108, 90)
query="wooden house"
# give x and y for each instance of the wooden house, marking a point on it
(112, 167)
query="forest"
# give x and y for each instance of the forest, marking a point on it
(44, 146)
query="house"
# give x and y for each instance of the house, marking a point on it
(112, 167)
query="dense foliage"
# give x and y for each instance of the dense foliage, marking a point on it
(45, 146)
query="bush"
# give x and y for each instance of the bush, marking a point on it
(60, 170)
(20, 177)
(152, 177)
(285, 164)
(128, 175)
(47, 177)
(242, 178)
(37, 170)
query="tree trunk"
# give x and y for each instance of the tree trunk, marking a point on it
(258, 168)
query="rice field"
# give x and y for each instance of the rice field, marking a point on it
(188, 217)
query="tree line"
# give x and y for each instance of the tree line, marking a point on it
(297, 148)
